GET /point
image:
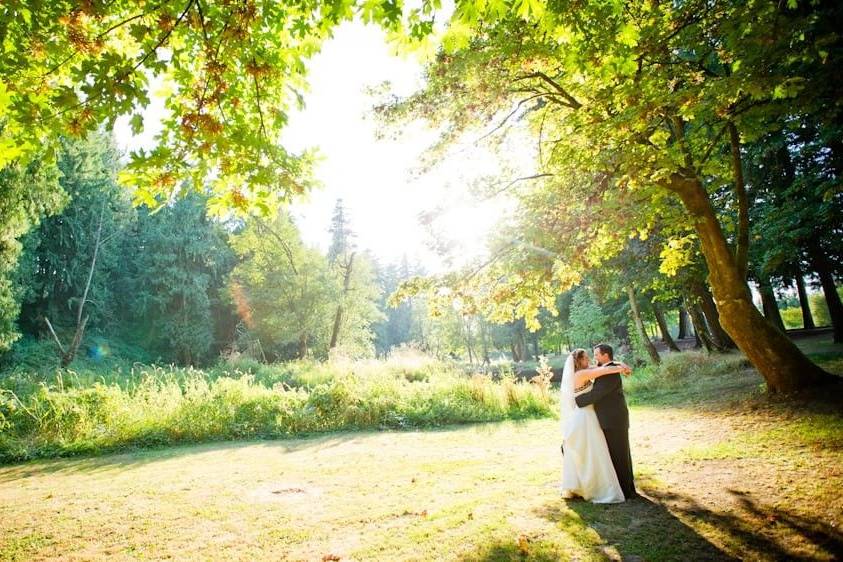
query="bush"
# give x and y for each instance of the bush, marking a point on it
(683, 370)
(68, 413)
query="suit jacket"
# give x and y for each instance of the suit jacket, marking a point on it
(609, 401)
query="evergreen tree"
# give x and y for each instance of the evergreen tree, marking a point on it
(27, 193)
(180, 260)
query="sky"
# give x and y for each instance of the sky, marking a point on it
(375, 178)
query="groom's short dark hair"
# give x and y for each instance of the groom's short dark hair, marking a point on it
(606, 349)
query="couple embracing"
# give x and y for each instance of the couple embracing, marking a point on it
(597, 464)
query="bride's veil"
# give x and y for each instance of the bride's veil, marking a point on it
(566, 390)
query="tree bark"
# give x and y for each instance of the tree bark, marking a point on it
(768, 302)
(69, 354)
(302, 346)
(683, 323)
(346, 284)
(483, 341)
(663, 328)
(719, 337)
(804, 304)
(742, 244)
(639, 325)
(701, 332)
(782, 364)
(832, 299)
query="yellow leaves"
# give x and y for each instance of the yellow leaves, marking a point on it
(659, 138)
(628, 35)
(678, 253)
(530, 9)
(564, 34)
(5, 99)
(457, 36)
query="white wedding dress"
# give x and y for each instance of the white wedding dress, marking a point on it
(587, 469)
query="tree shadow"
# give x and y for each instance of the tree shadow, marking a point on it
(131, 457)
(639, 529)
(762, 531)
(507, 551)
(654, 528)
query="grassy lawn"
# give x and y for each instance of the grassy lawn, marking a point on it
(727, 473)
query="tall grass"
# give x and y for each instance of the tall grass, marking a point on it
(682, 375)
(72, 412)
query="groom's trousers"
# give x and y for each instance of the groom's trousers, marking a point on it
(617, 439)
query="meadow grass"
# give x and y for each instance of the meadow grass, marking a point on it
(726, 472)
(75, 412)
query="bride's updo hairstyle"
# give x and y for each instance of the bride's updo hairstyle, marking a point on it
(578, 355)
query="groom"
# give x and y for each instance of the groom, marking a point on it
(610, 406)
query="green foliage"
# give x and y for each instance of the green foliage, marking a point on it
(181, 261)
(54, 268)
(27, 194)
(628, 105)
(587, 321)
(284, 291)
(229, 75)
(680, 374)
(154, 405)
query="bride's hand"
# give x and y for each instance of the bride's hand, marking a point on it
(626, 370)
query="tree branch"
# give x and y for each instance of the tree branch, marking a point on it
(55, 337)
(742, 246)
(284, 246)
(121, 76)
(509, 115)
(513, 182)
(572, 102)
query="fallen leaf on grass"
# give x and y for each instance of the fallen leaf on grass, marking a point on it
(523, 545)
(331, 558)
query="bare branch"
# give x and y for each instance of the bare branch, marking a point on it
(513, 182)
(55, 337)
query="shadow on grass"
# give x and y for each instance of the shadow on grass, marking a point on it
(640, 529)
(761, 531)
(505, 552)
(130, 457)
(655, 528)
(142, 454)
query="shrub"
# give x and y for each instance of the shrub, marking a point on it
(69, 413)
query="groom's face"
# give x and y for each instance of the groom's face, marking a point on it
(600, 357)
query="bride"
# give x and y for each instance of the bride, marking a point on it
(587, 469)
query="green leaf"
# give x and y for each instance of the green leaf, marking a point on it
(136, 123)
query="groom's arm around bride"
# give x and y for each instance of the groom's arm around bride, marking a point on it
(613, 415)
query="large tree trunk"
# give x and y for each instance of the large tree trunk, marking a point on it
(804, 304)
(666, 337)
(719, 337)
(683, 323)
(832, 299)
(768, 302)
(639, 325)
(782, 364)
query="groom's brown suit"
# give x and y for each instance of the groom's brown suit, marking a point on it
(613, 415)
